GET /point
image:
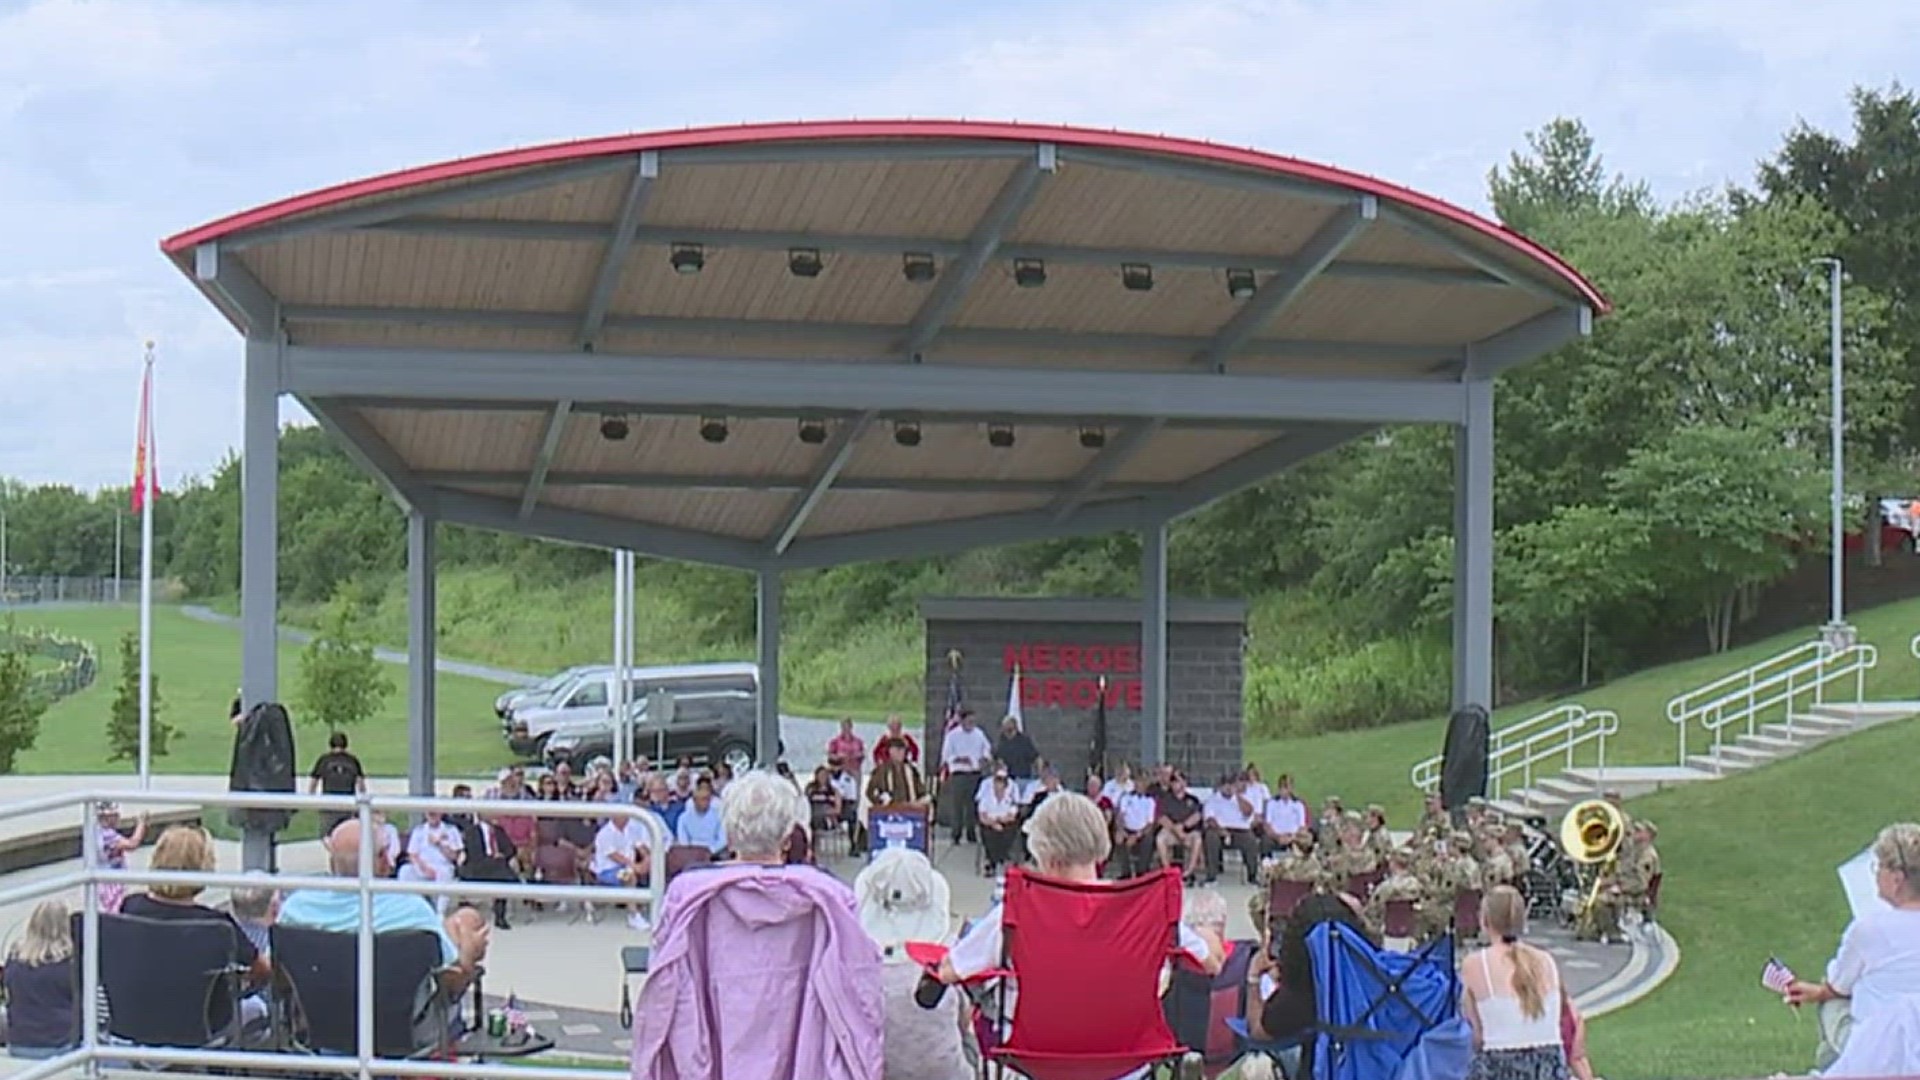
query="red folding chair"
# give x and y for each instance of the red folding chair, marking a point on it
(1400, 919)
(1653, 895)
(1284, 896)
(682, 856)
(1466, 915)
(1087, 958)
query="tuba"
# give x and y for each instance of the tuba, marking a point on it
(1591, 834)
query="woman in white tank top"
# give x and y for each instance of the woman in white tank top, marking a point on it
(1512, 998)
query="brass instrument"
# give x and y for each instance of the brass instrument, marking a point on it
(1591, 834)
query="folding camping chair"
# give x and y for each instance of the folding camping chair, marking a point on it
(1283, 897)
(169, 983)
(1374, 1005)
(316, 991)
(634, 960)
(1466, 914)
(1400, 921)
(1087, 958)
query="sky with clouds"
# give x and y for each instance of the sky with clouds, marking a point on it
(122, 122)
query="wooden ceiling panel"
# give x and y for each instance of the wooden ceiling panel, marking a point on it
(672, 444)
(1178, 454)
(1124, 208)
(952, 451)
(1339, 309)
(480, 440)
(861, 511)
(937, 199)
(745, 515)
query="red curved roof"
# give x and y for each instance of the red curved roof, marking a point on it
(1193, 149)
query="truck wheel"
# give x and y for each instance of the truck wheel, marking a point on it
(737, 756)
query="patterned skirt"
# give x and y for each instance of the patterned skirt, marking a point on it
(1526, 1063)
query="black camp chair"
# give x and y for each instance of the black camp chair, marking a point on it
(167, 983)
(316, 992)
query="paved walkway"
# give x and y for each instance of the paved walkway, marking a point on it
(386, 655)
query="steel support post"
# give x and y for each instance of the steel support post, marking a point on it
(1153, 643)
(259, 552)
(420, 654)
(1473, 550)
(766, 748)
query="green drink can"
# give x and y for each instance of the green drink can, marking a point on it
(497, 1023)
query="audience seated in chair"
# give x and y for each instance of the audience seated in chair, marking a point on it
(188, 848)
(702, 821)
(1198, 1005)
(1286, 1009)
(463, 935)
(623, 856)
(759, 969)
(489, 854)
(434, 850)
(1133, 833)
(316, 975)
(43, 1020)
(170, 982)
(902, 898)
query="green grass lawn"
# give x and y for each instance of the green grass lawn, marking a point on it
(1372, 766)
(1750, 864)
(198, 665)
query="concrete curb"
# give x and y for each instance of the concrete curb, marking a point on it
(1651, 965)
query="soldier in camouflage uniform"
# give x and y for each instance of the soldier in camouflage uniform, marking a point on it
(1302, 863)
(1351, 857)
(1456, 872)
(1624, 888)
(1433, 818)
(1379, 837)
(1495, 867)
(1399, 884)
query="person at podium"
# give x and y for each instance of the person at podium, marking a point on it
(896, 783)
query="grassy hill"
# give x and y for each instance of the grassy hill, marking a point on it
(198, 665)
(1371, 766)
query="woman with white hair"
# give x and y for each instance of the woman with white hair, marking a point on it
(1877, 969)
(903, 898)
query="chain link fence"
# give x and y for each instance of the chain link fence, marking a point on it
(18, 591)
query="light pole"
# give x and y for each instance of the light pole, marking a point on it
(1837, 449)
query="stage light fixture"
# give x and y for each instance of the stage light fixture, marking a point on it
(918, 267)
(713, 428)
(804, 262)
(906, 432)
(687, 258)
(1093, 436)
(1000, 436)
(613, 427)
(1137, 277)
(1240, 283)
(1029, 273)
(813, 431)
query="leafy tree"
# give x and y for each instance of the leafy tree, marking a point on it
(1561, 173)
(20, 709)
(123, 719)
(341, 682)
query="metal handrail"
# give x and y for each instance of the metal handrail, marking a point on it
(1426, 772)
(1781, 688)
(365, 1062)
(1689, 703)
(1914, 646)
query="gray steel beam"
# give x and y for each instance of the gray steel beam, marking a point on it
(613, 262)
(421, 649)
(456, 404)
(1412, 222)
(583, 232)
(543, 457)
(1536, 337)
(1473, 551)
(1282, 289)
(1266, 460)
(958, 276)
(596, 530)
(233, 287)
(766, 728)
(1219, 175)
(807, 384)
(367, 449)
(964, 534)
(954, 343)
(1153, 643)
(259, 526)
(370, 450)
(364, 215)
(1108, 461)
(833, 459)
(782, 484)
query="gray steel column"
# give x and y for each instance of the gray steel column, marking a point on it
(766, 749)
(259, 552)
(420, 653)
(1153, 643)
(1473, 550)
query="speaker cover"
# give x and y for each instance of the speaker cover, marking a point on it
(1463, 762)
(262, 761)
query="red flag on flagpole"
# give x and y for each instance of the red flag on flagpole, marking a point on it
(143, 479)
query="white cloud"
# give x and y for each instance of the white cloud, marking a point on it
(125, 122)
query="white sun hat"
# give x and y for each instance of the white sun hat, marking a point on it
(903, 898)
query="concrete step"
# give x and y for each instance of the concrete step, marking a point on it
(1747, 753)
(1721, 766)
(1544, 801)
(1635, 780)
(1773, 744)
(1799, 734)
(1816, 721)
(1511, 809)
(1566, 787)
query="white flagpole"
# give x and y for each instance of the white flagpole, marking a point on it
(617, 700)
(146, 581)
(626, 658)
(118, 519)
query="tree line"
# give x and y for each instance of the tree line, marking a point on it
(1651, 479)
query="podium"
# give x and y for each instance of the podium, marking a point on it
(899, 826)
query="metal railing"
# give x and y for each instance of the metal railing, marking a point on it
(1914, 646)
(91, 1052)
(1518, 747)
(1747, 695)
(19, 591)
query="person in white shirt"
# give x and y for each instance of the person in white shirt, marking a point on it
(1134, 817)
(1283, 818)
(1121, 784)
(962, 753)
(432, 853)
(1230, 813)
(622, 856)
(998, 808)
(1256, 788)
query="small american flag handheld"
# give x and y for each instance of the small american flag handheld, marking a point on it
(1776, 976)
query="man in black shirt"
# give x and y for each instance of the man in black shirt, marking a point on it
(1178, 815)
(1017, 752)
(336, 772)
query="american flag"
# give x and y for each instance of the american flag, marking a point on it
(1776, 976)
(956, 699)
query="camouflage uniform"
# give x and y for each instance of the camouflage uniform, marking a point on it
(1496, 868)
(1297, 865)
(1624, 888)
(1433, 819)
(1397, 885)
(1456, 873)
